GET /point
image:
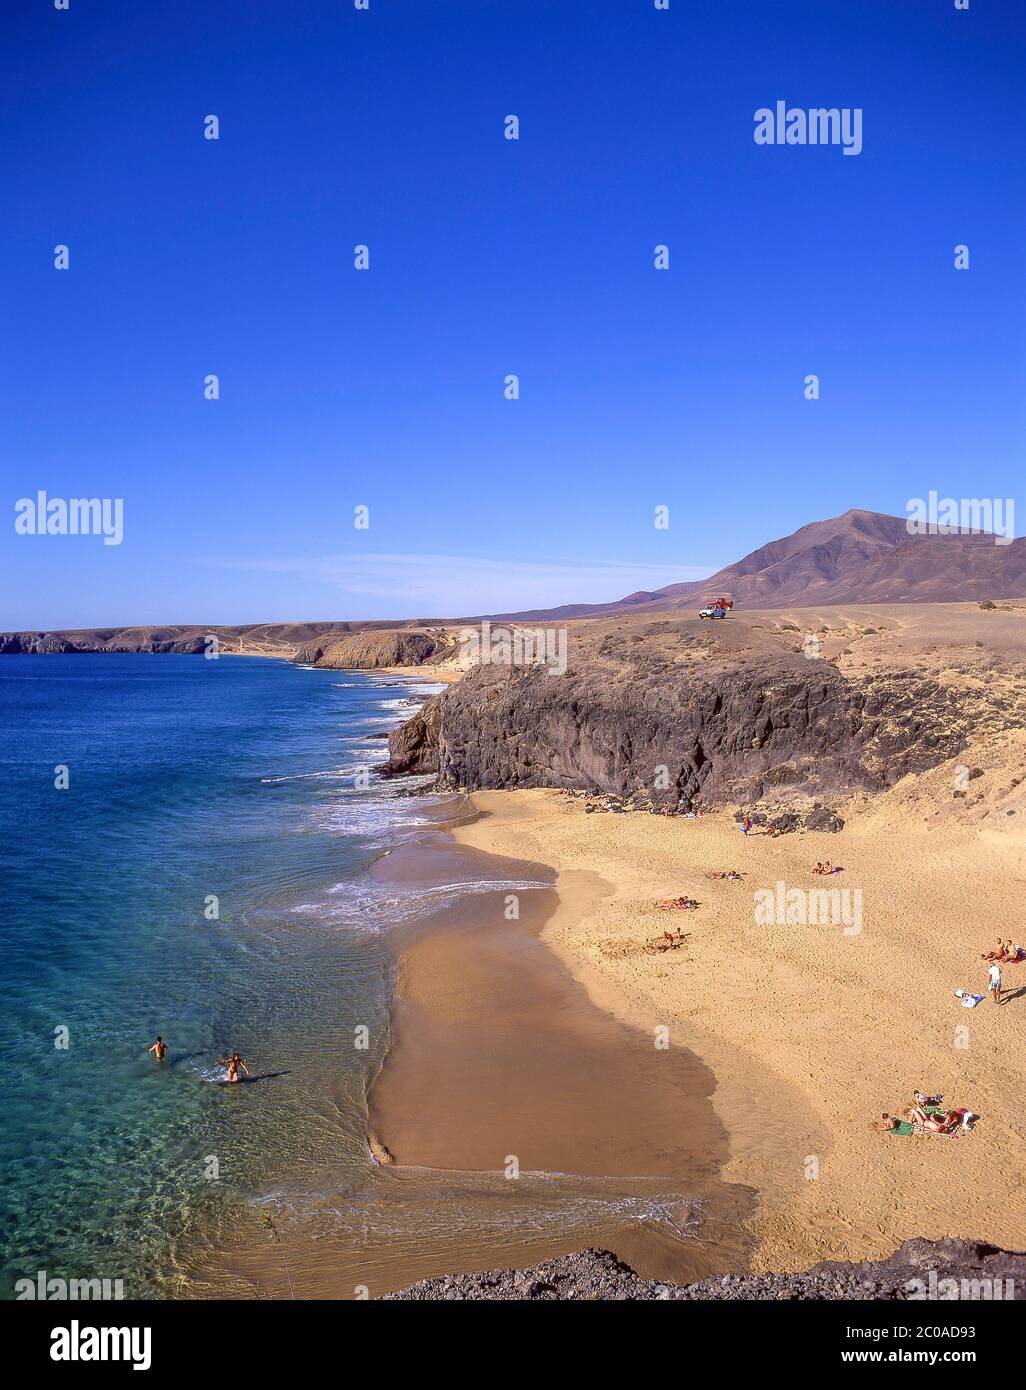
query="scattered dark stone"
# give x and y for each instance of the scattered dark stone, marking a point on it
(822, 818)
(591, 1275)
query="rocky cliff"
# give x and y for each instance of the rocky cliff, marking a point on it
(413, 747)
(267, 639)
(680, 713)
(368, 650)
(100, 640)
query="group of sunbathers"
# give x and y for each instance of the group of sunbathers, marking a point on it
(731, 875)
(827, 868)
(678, 904)
(926, 1117)
(1004, 953)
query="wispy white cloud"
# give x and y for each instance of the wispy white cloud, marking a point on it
(452, 585)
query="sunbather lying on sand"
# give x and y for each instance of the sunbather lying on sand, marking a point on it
(731, 875)
(946, 1122)
(827, 868)
(935, 1121)
(677, 904)
(918, 1120)
(668, 942)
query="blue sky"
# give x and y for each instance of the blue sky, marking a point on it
(384, 388)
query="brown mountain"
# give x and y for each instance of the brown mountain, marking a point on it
(860, 557)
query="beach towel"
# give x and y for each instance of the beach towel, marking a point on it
(905, 1127)
(969, 1001)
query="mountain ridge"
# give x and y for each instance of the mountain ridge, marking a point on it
(858, 557)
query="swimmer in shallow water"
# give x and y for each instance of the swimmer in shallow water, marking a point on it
(234, 1063)
(159, 1049)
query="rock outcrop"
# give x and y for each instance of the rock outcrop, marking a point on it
(264, 639)
(723, 734)
(916, 1267)
(413, 747)
(680, 713)
(370, 651)
(97, 640)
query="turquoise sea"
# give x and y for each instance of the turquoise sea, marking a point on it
(188, 780)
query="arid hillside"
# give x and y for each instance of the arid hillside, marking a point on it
(860, 557)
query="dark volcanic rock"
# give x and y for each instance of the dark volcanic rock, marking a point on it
(726, 729)
(37, 643)
(145, 640)
(413, 747)
(591, 1275)
(822, 818)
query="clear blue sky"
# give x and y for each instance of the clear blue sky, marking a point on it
(488, 256)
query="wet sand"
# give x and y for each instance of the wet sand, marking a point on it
(502, 1065)
(498, 1063)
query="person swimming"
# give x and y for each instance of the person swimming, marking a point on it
(159, 1048)
(234, 1063)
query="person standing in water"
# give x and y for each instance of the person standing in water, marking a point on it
(159, 1048)
(233, 1063)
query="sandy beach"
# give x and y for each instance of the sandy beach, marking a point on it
(812, 1031)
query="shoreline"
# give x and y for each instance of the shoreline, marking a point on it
(797, 1091)
(498, 1054)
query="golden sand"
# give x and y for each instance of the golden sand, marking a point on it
(813, 1032)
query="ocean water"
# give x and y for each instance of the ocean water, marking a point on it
(241, 780)
(188, 780)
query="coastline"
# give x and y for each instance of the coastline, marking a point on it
(499, 1057)
(796, 1092)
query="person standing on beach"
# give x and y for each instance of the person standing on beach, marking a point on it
(994, 982)
(159, 1048)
